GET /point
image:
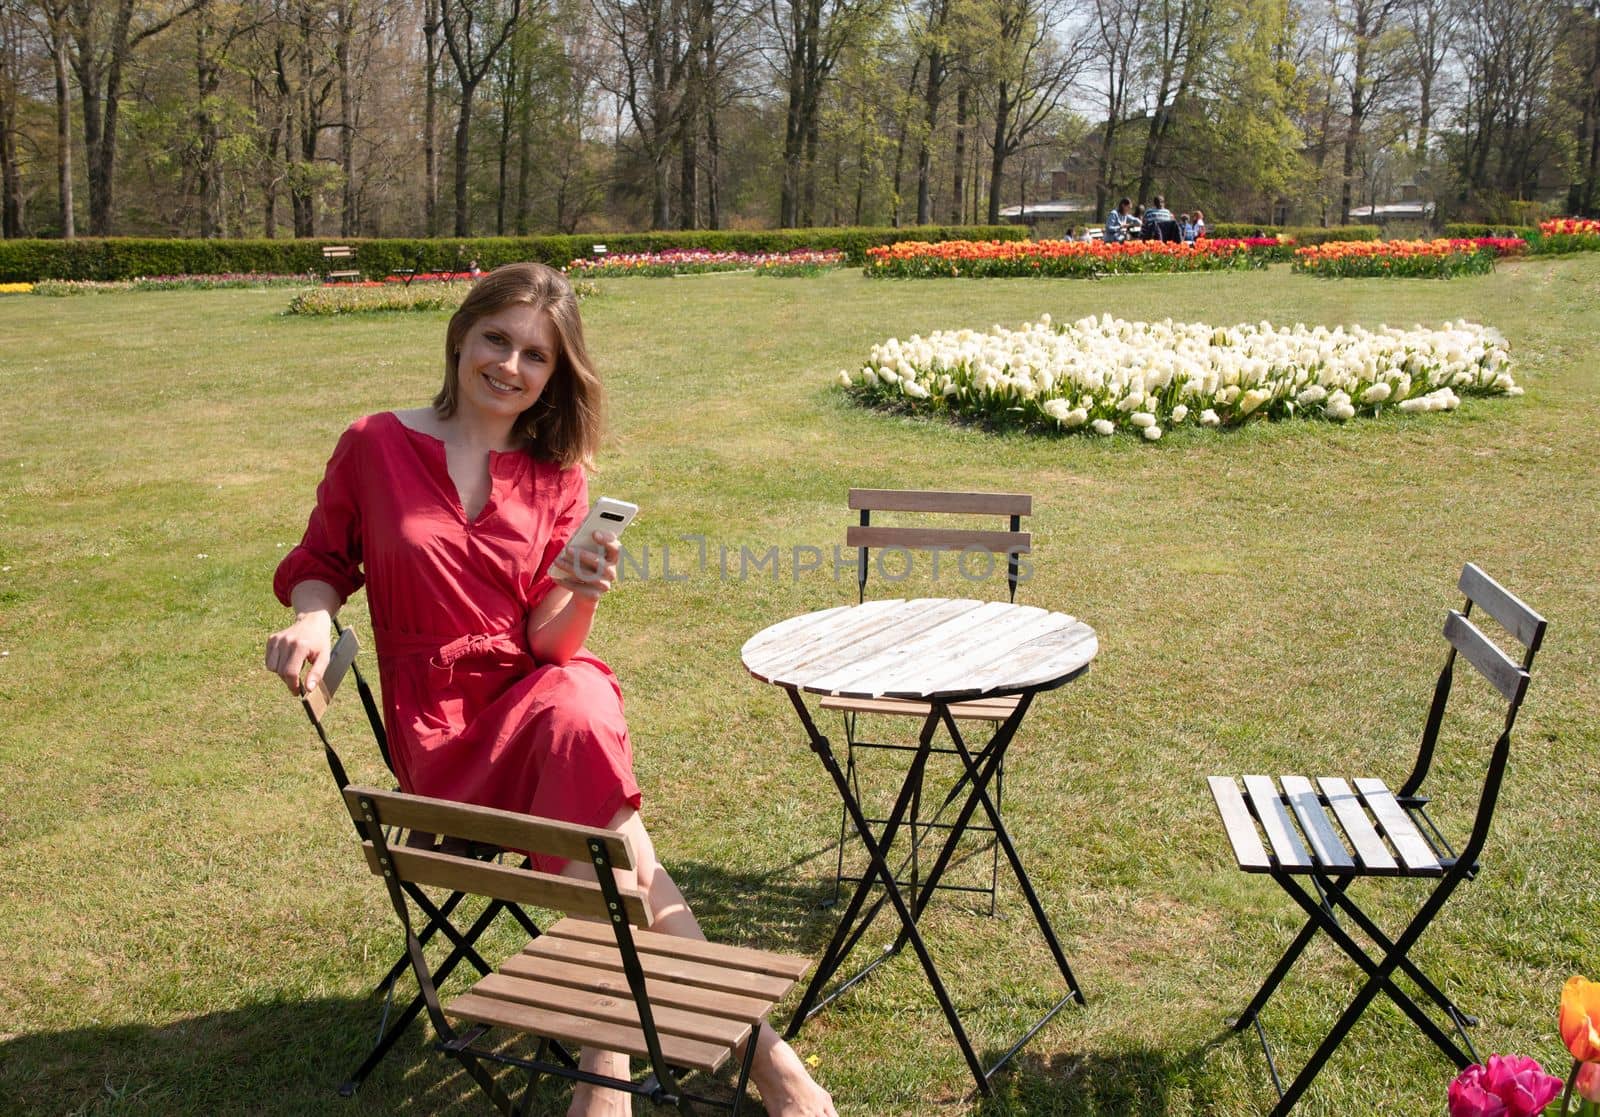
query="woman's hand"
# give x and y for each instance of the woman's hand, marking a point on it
(305, 644)
(588, 570)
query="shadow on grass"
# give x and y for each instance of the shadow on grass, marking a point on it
(1092, 1084)
(279, 1057)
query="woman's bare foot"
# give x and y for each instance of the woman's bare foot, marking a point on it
(786, 1086)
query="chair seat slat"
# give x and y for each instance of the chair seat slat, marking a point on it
(1287, 848)
(661, 965)
(1326, 847)
(1241, 828)
(1414, 851)
(716, 1002)
(791, 966)
(1373, 854)
(613, 1009)
(982, 709)
(569, 1028)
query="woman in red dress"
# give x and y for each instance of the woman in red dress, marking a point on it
(458, 519)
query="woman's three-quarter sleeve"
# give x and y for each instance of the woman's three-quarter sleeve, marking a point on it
(330, 550)
(574, 498)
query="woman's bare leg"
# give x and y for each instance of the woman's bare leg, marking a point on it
(786, 1086)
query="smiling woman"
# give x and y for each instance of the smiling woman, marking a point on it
(459, 520)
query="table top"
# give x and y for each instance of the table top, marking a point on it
(926, 648)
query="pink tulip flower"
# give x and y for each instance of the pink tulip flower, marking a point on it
(1508, 1086)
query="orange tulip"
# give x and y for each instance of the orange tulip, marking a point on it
(1580, 1019)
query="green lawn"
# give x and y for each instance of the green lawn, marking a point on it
(186, 925)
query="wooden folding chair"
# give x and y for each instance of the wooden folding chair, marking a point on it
(1389, 834)
(597, 978)
(342, 662)
(954, 552)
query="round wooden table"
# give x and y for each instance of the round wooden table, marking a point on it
(936, 651)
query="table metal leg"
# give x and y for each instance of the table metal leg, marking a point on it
(878, 866)
(992, 755)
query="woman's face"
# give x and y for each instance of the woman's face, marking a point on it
(506, 360)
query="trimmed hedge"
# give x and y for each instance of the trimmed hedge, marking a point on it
(113, 258)
(1302, 234)
(1468, 230)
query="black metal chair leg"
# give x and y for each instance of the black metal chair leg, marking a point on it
(1279, 972)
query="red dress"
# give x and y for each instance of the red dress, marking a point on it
(470, 715)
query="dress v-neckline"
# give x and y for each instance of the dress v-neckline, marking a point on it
(451, 489)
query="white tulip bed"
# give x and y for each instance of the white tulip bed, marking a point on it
(1107, 375)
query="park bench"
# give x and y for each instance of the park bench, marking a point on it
(335, 254)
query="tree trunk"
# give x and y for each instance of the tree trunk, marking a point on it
(207, 79)
(660, 202)
(58, 58)
(10, 179)
(713, 170)
(930, 120)
(688, 166)
(861, 180)
(900, 143)
(463, 149)
(524, 152)
(808, 197)
(998, 153)
(958, 203)
(430, 117)
(347, 123)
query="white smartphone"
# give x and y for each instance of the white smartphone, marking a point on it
(605, 514)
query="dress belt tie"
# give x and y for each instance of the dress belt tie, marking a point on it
(445, 654)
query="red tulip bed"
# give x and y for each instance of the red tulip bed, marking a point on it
(1054, 258)
(1569, 234)
(1435, 259)
(700, 261)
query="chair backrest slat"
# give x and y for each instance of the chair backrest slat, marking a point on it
(1491, 662)
(944, 539)
(506, 829)
(1504, 606)
(918, 500)
(339, 661)
(462, 873)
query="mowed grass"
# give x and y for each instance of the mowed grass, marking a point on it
(186, 924)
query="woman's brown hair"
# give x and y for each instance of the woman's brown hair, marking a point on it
(564, 425)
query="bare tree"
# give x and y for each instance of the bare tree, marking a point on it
(1178, 36)
(651, 47)
(1037, 73)
(1582, 58)
(10, 92)
(50, 23)
(1375, 65)
(474, 32)
(809, 35)
(101, 39)
(1431, 28)
(1115, 29)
